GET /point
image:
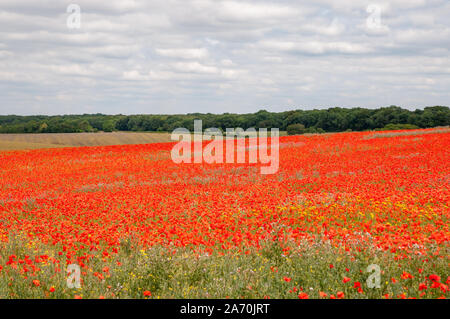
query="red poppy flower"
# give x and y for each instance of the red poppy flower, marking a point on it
(434, 278)
(303, 295)
(322, 294)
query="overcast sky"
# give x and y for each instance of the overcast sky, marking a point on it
(179, 56)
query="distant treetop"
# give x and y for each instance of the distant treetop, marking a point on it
(334, 119)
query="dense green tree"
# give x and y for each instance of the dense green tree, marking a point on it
(109, 126)
(330, 120)
(296, 129)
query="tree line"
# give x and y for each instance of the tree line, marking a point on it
(306, 121)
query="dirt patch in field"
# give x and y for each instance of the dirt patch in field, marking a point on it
(50, 140)
(18, 145)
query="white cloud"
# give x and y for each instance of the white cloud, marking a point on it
(138, 56)
(316, 47)
(244, 11)
(183, 53)
(194, 67)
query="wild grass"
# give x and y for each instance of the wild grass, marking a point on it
(268, 272)
(22, 145)
(408, 133)
(51, 140)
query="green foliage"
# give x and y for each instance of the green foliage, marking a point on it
(295, 129)
(108, 126)
(394, 127)
(314, 130)
(314, 121)
(181, 273)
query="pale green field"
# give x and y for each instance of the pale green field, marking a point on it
(51, 140)
(9, 142)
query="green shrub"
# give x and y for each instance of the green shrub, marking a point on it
(395, 127)
(295, 129)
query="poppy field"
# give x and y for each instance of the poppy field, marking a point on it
(140, 226)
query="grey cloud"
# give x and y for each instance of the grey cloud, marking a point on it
(137, 56)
